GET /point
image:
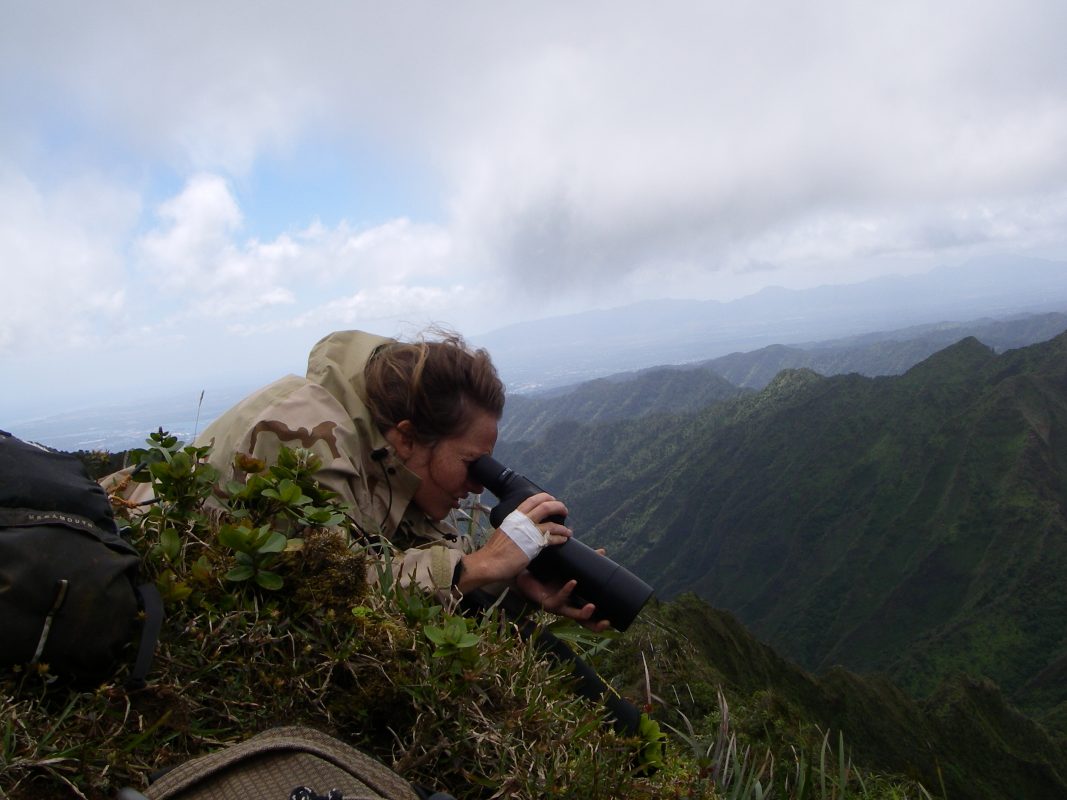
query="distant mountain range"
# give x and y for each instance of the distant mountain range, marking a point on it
(692, 387)
(884, 353)
(570, 349)
(563, 351)
(914, 524)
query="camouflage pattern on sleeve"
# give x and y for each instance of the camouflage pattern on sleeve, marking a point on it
(326, 414)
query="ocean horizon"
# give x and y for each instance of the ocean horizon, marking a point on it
(117, 427)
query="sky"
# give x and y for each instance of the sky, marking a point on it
(194, 193)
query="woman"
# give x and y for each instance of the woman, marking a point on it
(396, 426)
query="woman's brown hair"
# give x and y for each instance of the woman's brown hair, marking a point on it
(434, 384)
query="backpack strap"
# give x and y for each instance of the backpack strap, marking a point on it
(13, 517)
(152, 603)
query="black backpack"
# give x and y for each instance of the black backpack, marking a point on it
(69, 593)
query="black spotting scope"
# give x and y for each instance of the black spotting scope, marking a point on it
(616, 592)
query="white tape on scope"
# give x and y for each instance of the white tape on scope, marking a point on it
(524, 532)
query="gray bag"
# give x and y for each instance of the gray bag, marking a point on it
(279, 764)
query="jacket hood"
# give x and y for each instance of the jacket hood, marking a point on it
(336, 363)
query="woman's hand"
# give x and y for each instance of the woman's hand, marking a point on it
(500, 559)
(556, 599)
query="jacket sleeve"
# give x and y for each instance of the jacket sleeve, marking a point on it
(310, 418)
(429, 568)
(297, 414)
(305, 417)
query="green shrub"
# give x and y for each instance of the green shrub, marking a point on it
(271, 621)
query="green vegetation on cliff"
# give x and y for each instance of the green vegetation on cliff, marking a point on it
(627, 396)
(914, 525)
(911, 525)
(270, 621)
(965, 738)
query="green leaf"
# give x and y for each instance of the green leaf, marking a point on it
(240, 574)
(323, 517)
(259, 537)
(181, 464)
(274, 544)
(170, 543)
(435, 634)
(201, 569)
(234, 537)
(179, 591)
(456, 630)
(467, 640)
(257, 484)
(289, 491)
(286, 458)
(269, 580)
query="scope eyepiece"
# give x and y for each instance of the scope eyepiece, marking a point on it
(617, 593)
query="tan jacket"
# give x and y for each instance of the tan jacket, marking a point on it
(326, 413)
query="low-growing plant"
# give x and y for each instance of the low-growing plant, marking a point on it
(180, 476)
(270, 620)
(256, 549)
(729, 744)
(284, 494)
(454, 641)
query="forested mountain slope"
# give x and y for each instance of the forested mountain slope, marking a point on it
(914, 524)
(663, 389)
(964, 737)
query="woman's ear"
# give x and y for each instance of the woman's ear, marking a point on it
(402, 437)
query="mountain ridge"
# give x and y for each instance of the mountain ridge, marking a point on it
(910, 524)
(552, 352)
(964, 737)
(688, 387)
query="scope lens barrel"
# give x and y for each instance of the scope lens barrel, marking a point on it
(616, 592)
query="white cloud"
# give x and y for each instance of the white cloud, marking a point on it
(63, 280)
(698, 144)
(399, 249)
(193, 248)
(577, 154)
(395, 306)
(197, 254)
(586, 142)
(202, 86)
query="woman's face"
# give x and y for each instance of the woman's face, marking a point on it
(442, 467)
